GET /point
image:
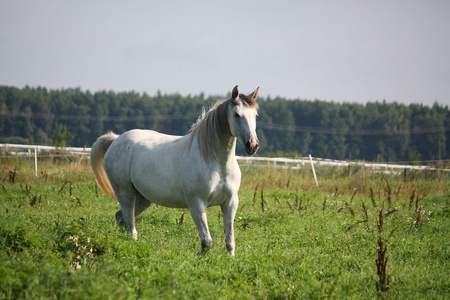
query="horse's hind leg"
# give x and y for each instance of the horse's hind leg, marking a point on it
(141, 204)
(127, 199)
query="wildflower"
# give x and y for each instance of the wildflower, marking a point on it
(91, 253)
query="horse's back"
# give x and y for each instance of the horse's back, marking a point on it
(149, 138)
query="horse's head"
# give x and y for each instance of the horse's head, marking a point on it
(242, 119)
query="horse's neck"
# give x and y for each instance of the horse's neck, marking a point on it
(227, 153)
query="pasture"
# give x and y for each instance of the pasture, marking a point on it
(358, 235)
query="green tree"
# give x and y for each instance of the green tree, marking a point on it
(390, 131)
(62, 137)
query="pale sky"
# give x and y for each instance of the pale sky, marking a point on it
(345, 51)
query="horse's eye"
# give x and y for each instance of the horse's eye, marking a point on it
(237, 115)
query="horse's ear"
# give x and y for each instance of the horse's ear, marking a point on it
(235, 93)
(254, 94)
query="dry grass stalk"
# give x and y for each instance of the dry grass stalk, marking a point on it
(277, 200)
(336, 191)
(6, 193)
(411, 199)
(254, 194)
(380, 222)
(366, 213)
(33, 201)
(181, 220)
(353, 225)
(12, 176)
(418, 218)
(353, 195)
(262, 200)
(383, 279)
(350, 209)
(390, 212)
(352, 212)
(62, 188)
(245, 225)
(398, 191)
(372, 197)
(324, 204)
(44, 175)
(389, 193)
(298, 203)
(382, 284)
(78, 200)
(290, 206)
(26, 189)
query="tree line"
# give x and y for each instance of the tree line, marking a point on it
(375, 131)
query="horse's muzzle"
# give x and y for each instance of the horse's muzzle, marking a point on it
(251, 148)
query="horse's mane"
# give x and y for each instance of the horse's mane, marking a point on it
(213, 124)
(208, 129)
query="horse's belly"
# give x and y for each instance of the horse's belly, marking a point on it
(160, 189)
(167, 201)
(163, 195)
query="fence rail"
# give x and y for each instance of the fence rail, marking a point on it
(278, 162)
(300, 162)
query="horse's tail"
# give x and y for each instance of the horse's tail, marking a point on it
(98, 151)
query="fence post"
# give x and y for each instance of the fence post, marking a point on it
(35, 162)
(314, 171)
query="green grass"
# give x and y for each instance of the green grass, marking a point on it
(59, 239)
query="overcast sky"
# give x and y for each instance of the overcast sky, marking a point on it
(345, 51)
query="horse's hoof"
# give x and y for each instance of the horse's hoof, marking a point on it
(202, 251)
(119, 218)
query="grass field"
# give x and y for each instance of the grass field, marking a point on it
(358, 235)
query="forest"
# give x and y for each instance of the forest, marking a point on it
(375, 131)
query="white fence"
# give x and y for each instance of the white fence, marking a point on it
(278, 162)
(32, 151)
(298, 163)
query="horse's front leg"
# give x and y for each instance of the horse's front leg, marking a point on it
(198, 212)
(229, 212)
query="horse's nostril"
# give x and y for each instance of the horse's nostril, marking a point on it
(251, 148)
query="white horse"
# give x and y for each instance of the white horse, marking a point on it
(195, 171)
